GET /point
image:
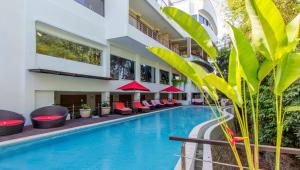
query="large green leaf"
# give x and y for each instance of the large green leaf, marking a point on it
(288, 71)
(292, 29)
(193, 28)
(292, 108)
(198, 69)
(234, 76)
(265, 68)
(220, 84)
(268, 27)
(246, 58)
(203, 73)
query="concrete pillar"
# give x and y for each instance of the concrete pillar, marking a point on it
(157, 74)
(106, 61)
(105, 97)
(189, 91)
(170, 96)
(189, 46)
(157, 96)
(170, 76)
(137, 68)
(137, 96)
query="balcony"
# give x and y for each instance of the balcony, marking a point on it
(163, 38)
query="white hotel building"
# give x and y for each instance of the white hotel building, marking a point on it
(69, 52)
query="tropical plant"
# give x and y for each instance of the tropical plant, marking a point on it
(85, 106)
(105, 104)
(272, 39)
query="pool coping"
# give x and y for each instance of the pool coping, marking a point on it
(207, 153)
(200, 131)
(73, 129)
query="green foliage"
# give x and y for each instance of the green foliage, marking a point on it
(53, 46)
(105, 104)
(288, 72)
(85, 106)
(274, 42)
(248, 65)
(223, 61)
(267, 115)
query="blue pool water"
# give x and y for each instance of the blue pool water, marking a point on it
(138, 144)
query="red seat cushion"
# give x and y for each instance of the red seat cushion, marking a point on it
(52, 117)
(10, 122)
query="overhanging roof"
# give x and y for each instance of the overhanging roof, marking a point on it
(45, 71)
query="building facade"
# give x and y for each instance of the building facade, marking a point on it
(71, 52)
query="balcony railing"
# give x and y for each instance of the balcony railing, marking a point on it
(135, 21)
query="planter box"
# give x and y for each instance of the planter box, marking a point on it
(85, 113)
(105, 110)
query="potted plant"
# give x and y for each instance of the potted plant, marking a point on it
(85, 111)
(105, 108)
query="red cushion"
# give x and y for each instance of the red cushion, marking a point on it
(119, 105)
(10, 122)
(53, 117)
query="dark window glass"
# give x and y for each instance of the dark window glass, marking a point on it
(147, 74)
(179, 96)
(94, 5)
(53, 46)
(164, 77)
(121, 68)
(176, 76)
(183, 96)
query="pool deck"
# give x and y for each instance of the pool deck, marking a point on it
(30, 131)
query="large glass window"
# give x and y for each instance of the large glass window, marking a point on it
(94, 5)
(121, 68)
(164, 77)
(147, 73)
(50, 45)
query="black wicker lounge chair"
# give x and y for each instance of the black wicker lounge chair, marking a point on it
(49, 117)
(10, 123)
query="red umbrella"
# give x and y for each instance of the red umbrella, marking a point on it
(171, 89)
(133, 86)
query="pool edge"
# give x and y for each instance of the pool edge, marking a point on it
(73, 129)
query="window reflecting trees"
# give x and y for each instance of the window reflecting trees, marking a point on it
(147, 73)
(50, 45)
(121, 68)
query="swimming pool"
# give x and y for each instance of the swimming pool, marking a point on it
(136, 144)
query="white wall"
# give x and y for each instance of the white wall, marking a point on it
(12, 55)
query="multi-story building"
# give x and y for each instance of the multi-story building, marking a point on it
(70, 52)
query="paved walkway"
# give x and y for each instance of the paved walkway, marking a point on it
(30, 131)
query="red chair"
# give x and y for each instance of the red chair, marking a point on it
(121, 109)
(167, 103)
(140, 107)
(176, 102)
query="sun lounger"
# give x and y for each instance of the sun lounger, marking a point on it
(197, 101)
(140, 107)
(167, 103)
(145, 103)
(157, 103)
(176, 103)
(121, 109)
